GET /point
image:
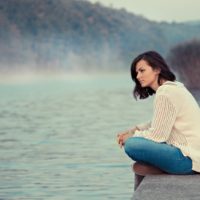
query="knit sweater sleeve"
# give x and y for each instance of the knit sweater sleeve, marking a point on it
(144, 126)
(163, 120)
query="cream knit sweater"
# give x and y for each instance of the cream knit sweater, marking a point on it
(176, 121)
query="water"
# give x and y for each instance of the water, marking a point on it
(58, 137)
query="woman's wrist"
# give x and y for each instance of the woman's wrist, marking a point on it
(132, 130)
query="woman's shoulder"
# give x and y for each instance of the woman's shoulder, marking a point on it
(176, 93)
(172, 91)
(169, 87)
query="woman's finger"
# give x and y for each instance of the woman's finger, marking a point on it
(119, 139)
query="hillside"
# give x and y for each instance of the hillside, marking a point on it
(70, 34)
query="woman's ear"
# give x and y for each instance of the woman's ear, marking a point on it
(157, 71)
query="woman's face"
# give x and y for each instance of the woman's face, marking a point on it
(146, 75)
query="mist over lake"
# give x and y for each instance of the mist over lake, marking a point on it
(66, 35)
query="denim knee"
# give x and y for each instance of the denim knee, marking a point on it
(166, 157)
(132, 145)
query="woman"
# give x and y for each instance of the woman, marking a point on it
(171, 141)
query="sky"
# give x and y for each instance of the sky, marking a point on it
(159, 10)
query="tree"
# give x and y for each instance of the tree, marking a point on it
(185, 60)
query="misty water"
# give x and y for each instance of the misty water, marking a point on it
(58, 137)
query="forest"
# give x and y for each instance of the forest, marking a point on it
(78, 35)
(185, 61)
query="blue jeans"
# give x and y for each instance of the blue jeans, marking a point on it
(161, 155)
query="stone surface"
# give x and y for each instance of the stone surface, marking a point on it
(169, 187)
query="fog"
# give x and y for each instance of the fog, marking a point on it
(56, 57)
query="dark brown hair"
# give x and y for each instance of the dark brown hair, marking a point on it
(156, 61)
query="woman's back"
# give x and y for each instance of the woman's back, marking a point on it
(185, 133)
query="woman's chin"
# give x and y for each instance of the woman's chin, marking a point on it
(143, 85)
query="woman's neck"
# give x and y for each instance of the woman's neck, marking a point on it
(157, 85)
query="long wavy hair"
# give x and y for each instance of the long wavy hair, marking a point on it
(156, 61)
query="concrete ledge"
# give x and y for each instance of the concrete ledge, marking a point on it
(168, 187)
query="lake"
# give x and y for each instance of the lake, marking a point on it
(58, 137)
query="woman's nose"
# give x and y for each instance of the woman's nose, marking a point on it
(138, 75)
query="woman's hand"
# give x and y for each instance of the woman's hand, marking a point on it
(122, 137)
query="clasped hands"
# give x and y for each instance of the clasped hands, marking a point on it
(122, 137)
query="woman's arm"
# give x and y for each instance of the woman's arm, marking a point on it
(144, 126)
(163, 120)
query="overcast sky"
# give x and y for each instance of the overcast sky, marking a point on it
(159, 10)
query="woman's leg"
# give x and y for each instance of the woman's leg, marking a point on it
(166, 157)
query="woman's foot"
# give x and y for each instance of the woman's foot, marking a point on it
(143, 169)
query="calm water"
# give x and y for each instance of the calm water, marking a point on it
(58, 137)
